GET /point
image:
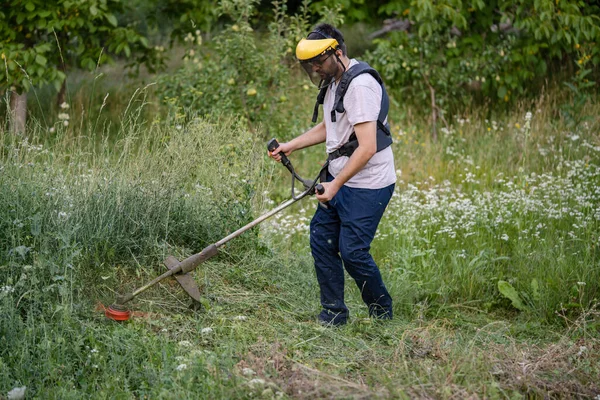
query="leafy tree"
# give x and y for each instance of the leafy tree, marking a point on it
(173, 18)
(43, 39)
(496, 49)
(353, 10)
(239, 71)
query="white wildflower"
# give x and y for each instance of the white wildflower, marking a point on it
(240, 318)
(63, 116)
(248, 371)
(66, 123)
(6, 289)
(581, 283)
(504, 237)
(64, 105)
(582, 349)
(181, 367)
(256, 382)
(51, 130)
(185, 343)
(528, 116)
(206, 331)
(17, 393)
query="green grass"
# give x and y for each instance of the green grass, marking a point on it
(84, 217)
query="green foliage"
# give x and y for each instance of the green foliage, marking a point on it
(43, 39)
(507, 290)
(496, 50)
(239, 72)
(173, 18)
(580, 86)
(352, 10)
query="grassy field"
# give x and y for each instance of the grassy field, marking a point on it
(489, 248)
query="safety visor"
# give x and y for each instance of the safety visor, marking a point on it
(312, 54)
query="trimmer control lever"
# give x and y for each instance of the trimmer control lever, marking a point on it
(272, 145)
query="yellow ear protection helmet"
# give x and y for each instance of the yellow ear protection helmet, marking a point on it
(314, 52)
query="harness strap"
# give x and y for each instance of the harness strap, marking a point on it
(323, 172)
(384, 137)
(320, 100)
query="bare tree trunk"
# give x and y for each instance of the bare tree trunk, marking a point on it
(18, 112)
(433, 112)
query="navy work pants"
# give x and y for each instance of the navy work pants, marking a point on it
(341, 236)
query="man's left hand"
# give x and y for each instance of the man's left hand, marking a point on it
(330, 191)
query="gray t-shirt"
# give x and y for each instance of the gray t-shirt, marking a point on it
(362, 103)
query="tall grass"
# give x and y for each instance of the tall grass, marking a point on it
(509, 200)
(80, 217)
(85, 213)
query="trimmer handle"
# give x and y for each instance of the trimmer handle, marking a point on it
(320, 189)
(272, 145)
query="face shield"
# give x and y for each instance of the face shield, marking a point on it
(313, 54)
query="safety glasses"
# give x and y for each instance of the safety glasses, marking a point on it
(318, 61)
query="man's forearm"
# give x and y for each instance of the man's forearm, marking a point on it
(315, 135)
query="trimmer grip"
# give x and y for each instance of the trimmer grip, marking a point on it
(272, 145)
(320, 190)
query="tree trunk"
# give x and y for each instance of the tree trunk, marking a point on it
(18, 112)
(433, 112)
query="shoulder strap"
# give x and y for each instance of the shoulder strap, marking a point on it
(320, 100)
(356, 70)
(384, 137)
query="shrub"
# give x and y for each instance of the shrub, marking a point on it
(240, 72)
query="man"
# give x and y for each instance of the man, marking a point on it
(358, 183)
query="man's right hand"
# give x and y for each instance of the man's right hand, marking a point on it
(286, 148)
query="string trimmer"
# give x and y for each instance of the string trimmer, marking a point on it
(180, 270)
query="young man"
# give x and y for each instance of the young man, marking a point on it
(359, 183)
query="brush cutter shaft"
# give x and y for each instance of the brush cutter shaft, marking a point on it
(185, 266)
(190, 263)
(260, 219)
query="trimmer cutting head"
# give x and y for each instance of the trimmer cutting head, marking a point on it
(117, 312)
